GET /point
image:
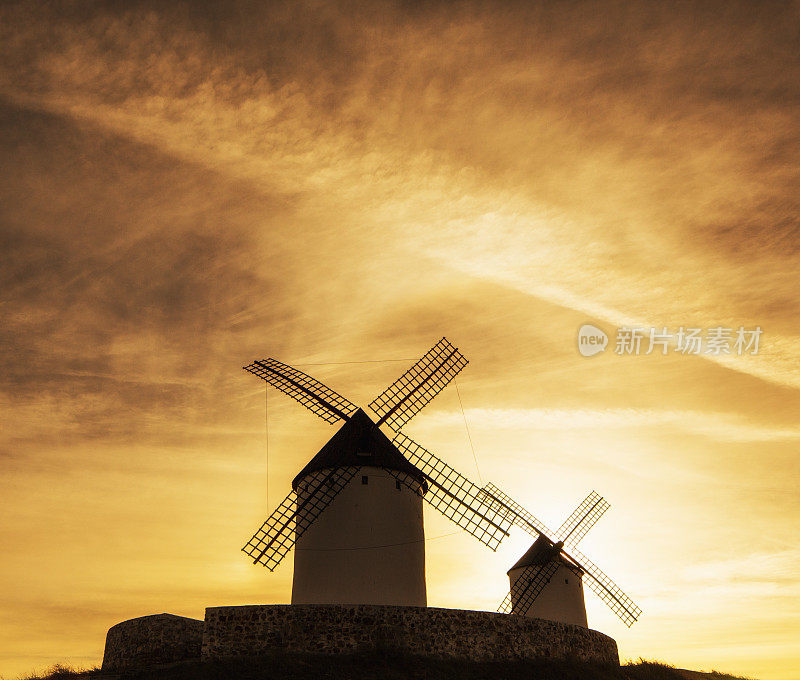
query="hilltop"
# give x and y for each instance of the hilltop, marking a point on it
(381, 667)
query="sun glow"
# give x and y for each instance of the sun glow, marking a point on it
(185, 191)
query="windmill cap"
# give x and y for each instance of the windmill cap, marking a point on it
(360, 443)
(539, 554)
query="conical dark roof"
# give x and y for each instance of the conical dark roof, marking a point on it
(540, 553)
(360, 442)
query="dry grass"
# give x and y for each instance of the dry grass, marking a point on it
(644, 669)
(382, 667)
(62, 672)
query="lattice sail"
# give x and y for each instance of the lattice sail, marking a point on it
(311, 393)
(599, 582)
(415, 389)
(455, 496)
(278, 534)
(608, 591)
(583, 518)
(528, 586)
(514, 511)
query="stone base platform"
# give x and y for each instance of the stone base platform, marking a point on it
(151, 641)
(255, 630)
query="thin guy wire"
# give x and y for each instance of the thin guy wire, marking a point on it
(373, 547)
(466, 427)
(342, 363)
(266, 433)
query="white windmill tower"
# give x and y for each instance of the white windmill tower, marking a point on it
(368, 547)
(558, 581)
(355, 510)
(547, 582)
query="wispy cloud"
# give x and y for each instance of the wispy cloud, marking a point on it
(578, 218)
(187, 187)
(724, 427)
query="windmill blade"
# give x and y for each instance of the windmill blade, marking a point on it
(599, 582)
(518, 515)
(455, 496)
(608, 591)
(583, 518)
(311, 393)
(278, 534)
(415, 389)
(528, 586)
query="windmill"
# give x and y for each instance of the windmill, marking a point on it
(355, 510)
(546, 582)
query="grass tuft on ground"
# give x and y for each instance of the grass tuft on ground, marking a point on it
(385, 667)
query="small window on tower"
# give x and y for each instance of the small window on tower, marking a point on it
(365, 479)
(397, 484)
(566, 580)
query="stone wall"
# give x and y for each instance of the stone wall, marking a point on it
(152, 640)
(334, 629)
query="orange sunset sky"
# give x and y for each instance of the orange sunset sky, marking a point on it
(186, 187)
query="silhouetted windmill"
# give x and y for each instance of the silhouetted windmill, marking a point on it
(368, 546)
(535, 580)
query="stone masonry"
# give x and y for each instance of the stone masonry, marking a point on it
(255, 630)
(151, 641)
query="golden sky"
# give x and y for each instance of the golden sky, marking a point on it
(187, 189)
